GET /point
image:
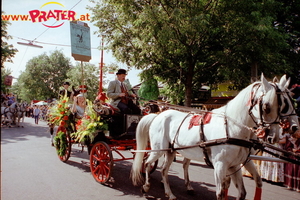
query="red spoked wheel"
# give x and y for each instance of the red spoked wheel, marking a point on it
(101, 162)
(63, 144)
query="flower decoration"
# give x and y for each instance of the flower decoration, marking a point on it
(89, 125)
(59, 113)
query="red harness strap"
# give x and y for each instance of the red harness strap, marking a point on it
(195, 120)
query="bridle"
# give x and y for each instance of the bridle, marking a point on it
(261, 125)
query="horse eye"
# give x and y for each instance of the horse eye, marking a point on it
(266, 108)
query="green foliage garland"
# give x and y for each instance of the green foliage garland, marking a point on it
(61, 143)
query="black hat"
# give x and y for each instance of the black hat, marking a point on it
(66, 83)
(121, 71)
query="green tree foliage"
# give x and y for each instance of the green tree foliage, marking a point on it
(7, 50)
(87, 75)
(187, 43)
(249, 39)
(288, 21)
(43, 76)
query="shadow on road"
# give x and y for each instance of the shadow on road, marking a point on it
(17, 134)
(121, 181)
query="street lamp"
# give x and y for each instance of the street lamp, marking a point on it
(30, 44)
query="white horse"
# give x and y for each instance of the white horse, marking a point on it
(255, 106)
(287, 110)
(9, 114)
(20, 114)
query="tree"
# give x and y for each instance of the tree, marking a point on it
(87, 75)
(187, 43)
(167, 38)
(43, 76)
(7, 50)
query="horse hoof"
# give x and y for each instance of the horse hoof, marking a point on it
(142, 190)
(173, 198)
(145, 189)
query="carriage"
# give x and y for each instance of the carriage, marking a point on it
(111, 133)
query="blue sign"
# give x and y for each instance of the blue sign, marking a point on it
(80, 41)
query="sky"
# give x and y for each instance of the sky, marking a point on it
(59, 36)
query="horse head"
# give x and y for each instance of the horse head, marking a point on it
(4, 103)
(265, 110)
(288, 116)
(23, 106)
(274, 107)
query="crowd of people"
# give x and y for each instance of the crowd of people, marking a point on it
(287, 174)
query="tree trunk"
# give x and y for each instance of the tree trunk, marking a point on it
(254, 71)
(188, 84)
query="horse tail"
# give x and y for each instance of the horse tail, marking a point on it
(142, 138)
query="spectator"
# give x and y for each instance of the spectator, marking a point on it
(65, 91)
(36, 114)
(292, 171)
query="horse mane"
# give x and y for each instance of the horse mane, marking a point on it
(235, 108)
(238, 104)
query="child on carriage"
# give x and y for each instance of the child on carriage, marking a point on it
(103, 108)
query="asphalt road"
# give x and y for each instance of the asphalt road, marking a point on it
(31, 170)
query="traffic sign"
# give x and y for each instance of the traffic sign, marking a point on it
(80, 41)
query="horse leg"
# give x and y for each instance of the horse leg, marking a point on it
(169, 157)
(221, 180)
(23, 116)
(252, 170)
(17, 119)
(51, 127)
(186, 163)
(9, 121)
(153, 156)
(237, 178)
(227, 184)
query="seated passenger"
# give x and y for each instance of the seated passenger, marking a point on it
(79, 106)
(121, 96)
